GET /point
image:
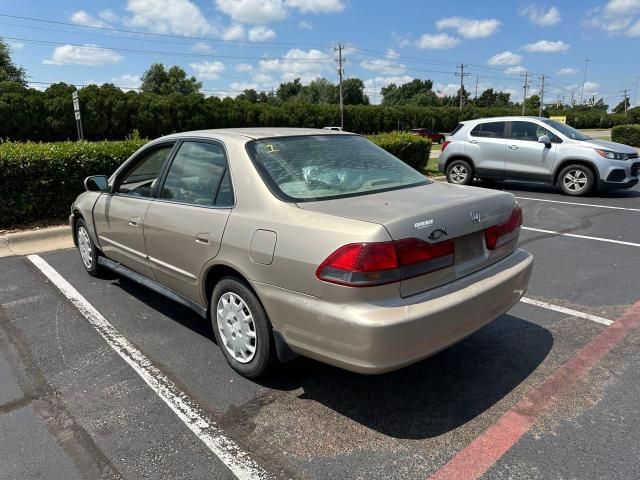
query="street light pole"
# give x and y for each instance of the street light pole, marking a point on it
(584, 79)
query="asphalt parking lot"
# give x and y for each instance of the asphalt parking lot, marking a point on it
(137, 388)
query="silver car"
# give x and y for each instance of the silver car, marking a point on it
(536, 149)
(309, 242)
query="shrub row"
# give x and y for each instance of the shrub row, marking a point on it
(41, 180)
(627, 134)
(411, 149)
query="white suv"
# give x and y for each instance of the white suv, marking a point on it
(536, 149)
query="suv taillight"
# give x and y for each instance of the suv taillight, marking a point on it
(444, 144)
(369, 264)
(498, 235)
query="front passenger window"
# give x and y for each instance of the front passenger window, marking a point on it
(142, 178)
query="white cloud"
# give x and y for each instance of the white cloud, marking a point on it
(127, 81)
(622, 7)
(253, 11)
(316, 6)
(83, 18)
(208, 70)
(391, 53)
(180, 17)
(470, 27)
(634, 31)
(305, 25)
(83, 55)
(567, 71)
(308, 65)
(244, 67)
(239, 87)
(437, 41)
(201, 47)
(591, 87)
(108, 16)
(540, 16)
(616, 17)
(384, 66)
(234, 32)
(261, 34)
(505, 58)
(449, 89)
(16, 45)
(547, 46)
(515, 70)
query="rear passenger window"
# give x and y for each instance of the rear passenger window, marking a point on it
(455, 130)
(199, 176)
(489, 130)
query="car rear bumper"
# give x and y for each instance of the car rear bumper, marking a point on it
(368, 338)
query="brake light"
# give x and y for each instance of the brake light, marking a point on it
(369, 264)
(444, 144)
(498, 235)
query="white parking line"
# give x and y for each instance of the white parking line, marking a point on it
(585, 237)
(568, 311)
(223, 447)
(580, 204)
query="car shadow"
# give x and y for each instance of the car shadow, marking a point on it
(424, 400)
(513, 186)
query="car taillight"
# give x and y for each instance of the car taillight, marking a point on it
(498, 235)
(445, 143)
(369, 264)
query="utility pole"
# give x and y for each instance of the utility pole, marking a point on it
(526, 89)
(584, 79)
(476, 87)
(339, 49)
(625, 100)
(635, 96)
(542, 77)
(461, 75)
(558, 102)
(76, 112)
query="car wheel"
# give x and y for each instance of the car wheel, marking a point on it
(88, 251)
(576, 180)
(459, 172)
(242, 328)
(441, 140)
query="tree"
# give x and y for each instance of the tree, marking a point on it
(407, 93)
(289, 90)
(533, 102)
(490, 98)
(600, 105)
(353, 92)
(163, 82)
(9, 71)
(320, 91)
(622, 106)
(249, 95)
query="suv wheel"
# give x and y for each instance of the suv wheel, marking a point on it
(242, 329)
(576, 180)
(441, 140)
(459, 172)
(88, 251)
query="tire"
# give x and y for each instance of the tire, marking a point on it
(88, 252)
(459, 172)
(229, 299)
(441, 140)
(576, 180)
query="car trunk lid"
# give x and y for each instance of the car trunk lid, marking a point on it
(433, 213)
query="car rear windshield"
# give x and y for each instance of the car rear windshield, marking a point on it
(566, 130)
(323, 167)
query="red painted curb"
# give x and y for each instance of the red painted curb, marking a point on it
(476, 458)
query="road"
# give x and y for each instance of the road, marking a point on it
(73, 406)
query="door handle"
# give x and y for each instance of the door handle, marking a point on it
(134, 222)
(513, 147)
(203, 237)
(473, 141)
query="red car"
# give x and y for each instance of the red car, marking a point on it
(427, 132)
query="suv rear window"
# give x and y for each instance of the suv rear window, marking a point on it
(457, 129)
(489, 130)
(323, 167)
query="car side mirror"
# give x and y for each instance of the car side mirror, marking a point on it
(546, 140)
(96, 183)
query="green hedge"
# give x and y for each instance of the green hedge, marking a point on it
(627, 134)
(411, 149)
(39, 181)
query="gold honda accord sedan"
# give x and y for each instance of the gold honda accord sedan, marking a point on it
(305, 242)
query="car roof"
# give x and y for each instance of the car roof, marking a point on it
(504, 119)
(256, 133)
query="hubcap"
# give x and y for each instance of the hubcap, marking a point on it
(575, 180)
(84, 245)
(458, 174)
(236, 327)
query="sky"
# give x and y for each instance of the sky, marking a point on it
(230, 45)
